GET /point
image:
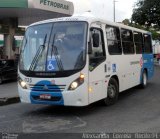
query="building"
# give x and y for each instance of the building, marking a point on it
(16, 13)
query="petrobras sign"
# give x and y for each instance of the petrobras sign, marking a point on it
(59, 6)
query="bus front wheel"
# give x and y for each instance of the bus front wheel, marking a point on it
(112, 92)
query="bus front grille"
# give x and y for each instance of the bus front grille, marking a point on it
(48, 88)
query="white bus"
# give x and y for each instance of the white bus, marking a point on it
(75, 61)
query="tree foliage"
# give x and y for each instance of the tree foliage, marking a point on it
(153, 30)
(147, 13)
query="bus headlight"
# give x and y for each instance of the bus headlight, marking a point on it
(22, 83)
(76, 83)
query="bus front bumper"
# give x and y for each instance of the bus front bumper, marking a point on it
(77, 97)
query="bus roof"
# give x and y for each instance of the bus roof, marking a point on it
(90, 19)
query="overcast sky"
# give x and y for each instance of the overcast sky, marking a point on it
(104, 8)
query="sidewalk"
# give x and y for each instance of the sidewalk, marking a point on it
(8, 93)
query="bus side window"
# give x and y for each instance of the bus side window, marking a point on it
(147, 43)
(113, 40)
(138, 42)
(98, 54)
(127, 41)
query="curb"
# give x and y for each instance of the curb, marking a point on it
(7, 101)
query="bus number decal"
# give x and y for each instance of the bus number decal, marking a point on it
(28, 80)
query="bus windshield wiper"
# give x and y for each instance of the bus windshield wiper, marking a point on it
(37, 55)
(55, 52)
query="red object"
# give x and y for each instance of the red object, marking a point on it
(158, 56)
(141, 62)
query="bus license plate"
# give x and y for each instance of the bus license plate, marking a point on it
(45, 96)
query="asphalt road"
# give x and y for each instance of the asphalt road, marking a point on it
(138, 110)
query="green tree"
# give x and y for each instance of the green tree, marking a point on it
(147, 13)
(126, 22)
(153, 30)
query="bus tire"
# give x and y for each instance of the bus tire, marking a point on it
(112, 92)
(144, 79)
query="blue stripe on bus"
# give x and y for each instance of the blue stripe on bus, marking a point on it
(36, 92)
(148, 63)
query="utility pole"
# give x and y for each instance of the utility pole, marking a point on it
(114, 12)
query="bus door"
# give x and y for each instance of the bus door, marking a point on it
(97, 65)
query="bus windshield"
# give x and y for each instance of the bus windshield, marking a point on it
(53, 47)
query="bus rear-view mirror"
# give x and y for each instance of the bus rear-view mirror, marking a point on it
(95, 40)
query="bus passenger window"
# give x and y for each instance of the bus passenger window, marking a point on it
(113, 40)
(127, 41)
(147, 43)
(138, 41)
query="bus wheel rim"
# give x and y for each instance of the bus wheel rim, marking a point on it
(111, 91)
(144, 79)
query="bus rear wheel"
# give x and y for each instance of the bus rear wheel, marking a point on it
(144, 79)
(112, 92)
